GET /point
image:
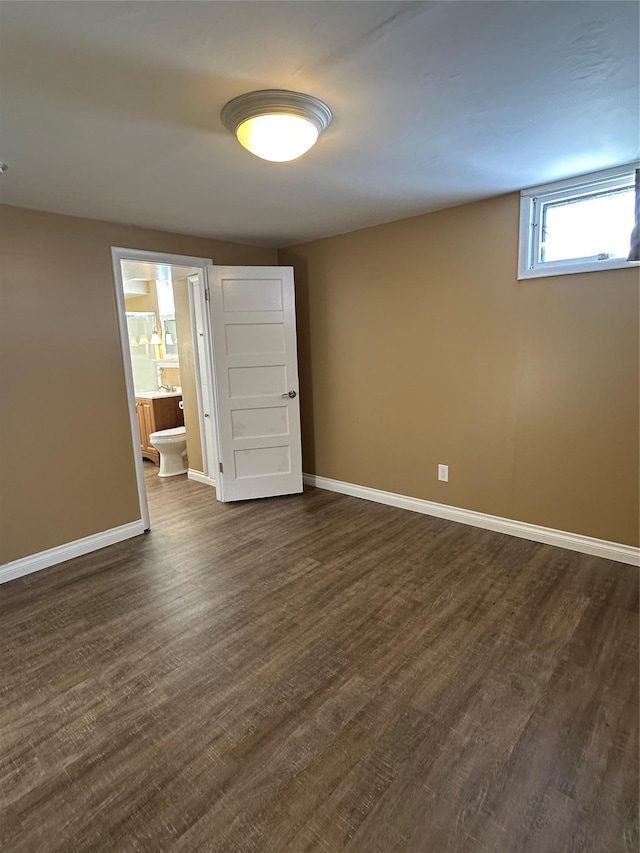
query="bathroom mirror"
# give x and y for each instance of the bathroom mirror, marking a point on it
(140, 326)
(167, 311)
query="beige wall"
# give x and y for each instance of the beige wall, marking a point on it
(144, 301)
(419, 346)
(66, 465)
(184, 332)
(171, 376)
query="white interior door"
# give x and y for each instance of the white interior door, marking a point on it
(256, 375)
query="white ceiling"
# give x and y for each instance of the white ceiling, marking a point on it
(136, 274)
(111, 110)
(144, 271)
(147, 271)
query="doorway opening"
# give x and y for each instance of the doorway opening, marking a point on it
(166, 338)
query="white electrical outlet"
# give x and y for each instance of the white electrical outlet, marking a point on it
(443, 473)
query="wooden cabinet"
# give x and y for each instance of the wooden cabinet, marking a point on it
(154, 414)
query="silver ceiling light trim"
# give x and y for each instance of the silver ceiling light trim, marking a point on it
(276, 124)
(275, 101)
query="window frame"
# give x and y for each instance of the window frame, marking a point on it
(532, 202)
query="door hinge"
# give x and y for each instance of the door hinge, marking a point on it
(220, 467)
(207, 294)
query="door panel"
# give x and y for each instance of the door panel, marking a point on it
(252, 294)
(260, 422)
(257, 381)
(255, 338)
(255, 360)
(262, 461)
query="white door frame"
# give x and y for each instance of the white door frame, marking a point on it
(205, 382)
(120, 254)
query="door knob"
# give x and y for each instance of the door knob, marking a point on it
(291, 394)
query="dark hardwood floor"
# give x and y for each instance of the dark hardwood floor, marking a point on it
(319, 673)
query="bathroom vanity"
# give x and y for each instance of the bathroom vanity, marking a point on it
(156, 410)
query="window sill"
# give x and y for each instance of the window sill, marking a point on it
(568, 269)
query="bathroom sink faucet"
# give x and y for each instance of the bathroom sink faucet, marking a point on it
(170, 388)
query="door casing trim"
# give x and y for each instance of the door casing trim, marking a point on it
(122, 254)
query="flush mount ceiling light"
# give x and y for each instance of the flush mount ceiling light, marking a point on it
(276, 124)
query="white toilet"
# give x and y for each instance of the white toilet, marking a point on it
(171, 444)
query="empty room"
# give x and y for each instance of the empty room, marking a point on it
(319, 428)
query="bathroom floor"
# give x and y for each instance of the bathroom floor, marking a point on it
(318, 673)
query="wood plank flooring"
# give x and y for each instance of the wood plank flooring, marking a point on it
(319, 673)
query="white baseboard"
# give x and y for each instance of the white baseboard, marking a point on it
(199, 477)
(547, 535)
(45, 559)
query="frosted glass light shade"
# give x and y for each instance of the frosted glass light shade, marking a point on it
(277, 137)
(155, 338)
(276, 124)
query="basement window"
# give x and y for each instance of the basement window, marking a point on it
(580, 225)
